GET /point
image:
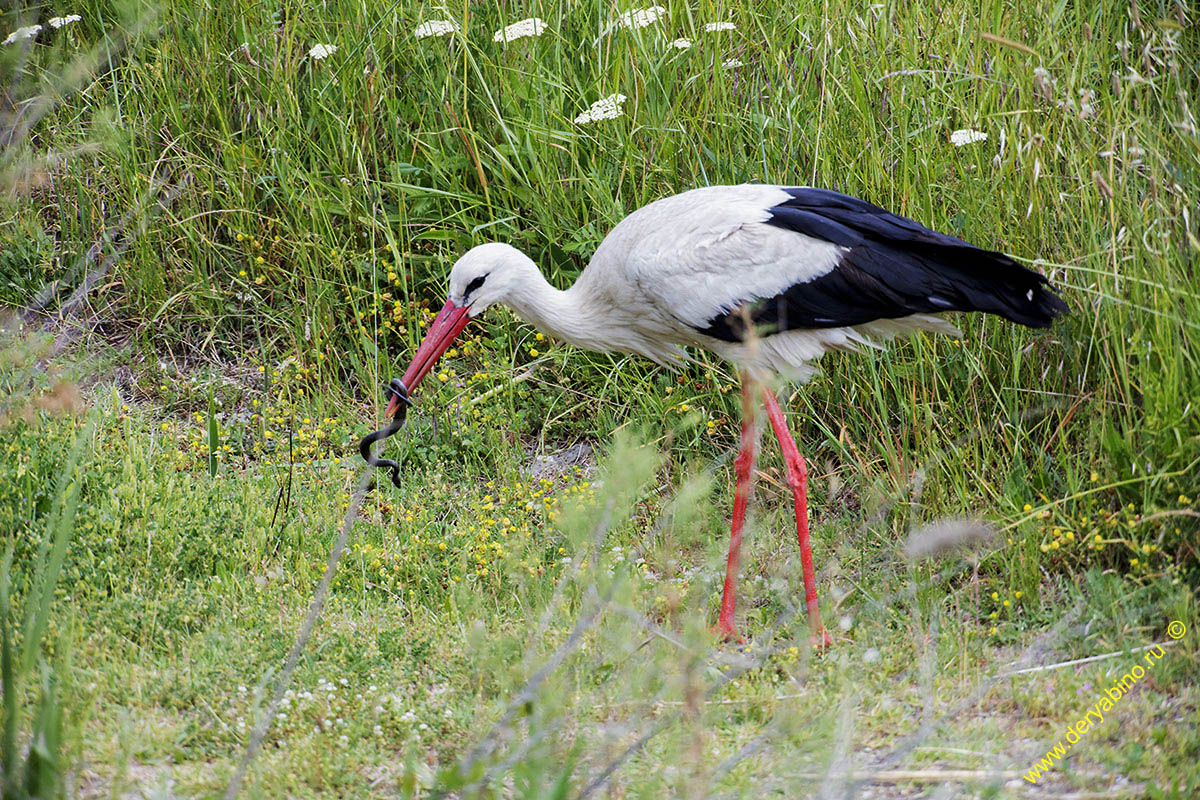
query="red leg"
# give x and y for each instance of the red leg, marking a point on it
(743, 466)
(797, 477)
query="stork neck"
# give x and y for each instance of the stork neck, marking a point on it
(562, 314)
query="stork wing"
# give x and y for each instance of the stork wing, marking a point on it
(799, 258)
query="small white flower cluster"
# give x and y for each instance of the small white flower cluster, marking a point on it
(519, 30)
(435, 27)
(641, 17)
(329, 689)
(320, 51)
(711, 27)
(604, 108)
(59, 22)
(965, 136)
(330, 706)
(732, 62)
(23, 33)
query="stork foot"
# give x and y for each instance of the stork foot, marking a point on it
(821, 641)
(727, 632)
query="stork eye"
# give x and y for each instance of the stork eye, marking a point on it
(473, 285)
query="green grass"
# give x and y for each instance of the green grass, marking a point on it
(276, 229)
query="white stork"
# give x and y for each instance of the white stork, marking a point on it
(767, 277)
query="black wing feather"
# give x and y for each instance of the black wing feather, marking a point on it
(893, 267)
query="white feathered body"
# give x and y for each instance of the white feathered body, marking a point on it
(670, 266)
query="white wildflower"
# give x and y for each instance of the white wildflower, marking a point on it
(604, 108)
(519, 30)
(20, 34)
(681, 44)
(319, 51)
(435, 27)
(58, 22)
(732, 62)
(965, 136)
(715, 27)
(641, 17)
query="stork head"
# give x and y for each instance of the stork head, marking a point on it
(488, 274)
(483, 276)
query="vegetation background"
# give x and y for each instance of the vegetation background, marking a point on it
(224, 226)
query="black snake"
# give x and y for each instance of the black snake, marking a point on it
(364, 447)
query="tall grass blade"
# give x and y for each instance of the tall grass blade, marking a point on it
(49, 567)
(213, 436)
(40, 774)
(8, 748)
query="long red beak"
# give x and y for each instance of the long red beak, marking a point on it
(448, 324)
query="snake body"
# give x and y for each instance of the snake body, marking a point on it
(364, 447)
